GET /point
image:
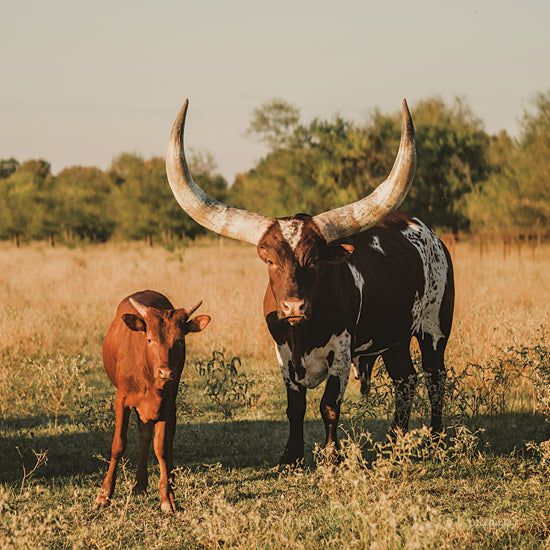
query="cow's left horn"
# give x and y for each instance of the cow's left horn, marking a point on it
(216, 216)
(358, 216)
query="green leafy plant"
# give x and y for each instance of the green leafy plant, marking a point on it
(228, 389)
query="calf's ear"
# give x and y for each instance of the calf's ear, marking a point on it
(133, 322)
(198, 323)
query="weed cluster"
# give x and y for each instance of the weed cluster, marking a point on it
(42, 384)
(474, 391)
(228, 389)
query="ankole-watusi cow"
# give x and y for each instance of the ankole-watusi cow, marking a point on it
(143, 356)
(345, 287)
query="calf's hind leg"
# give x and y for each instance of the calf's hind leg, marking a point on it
(145, 438)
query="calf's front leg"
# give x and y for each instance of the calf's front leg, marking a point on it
(145, 438)
(164, 438)
(117, 450)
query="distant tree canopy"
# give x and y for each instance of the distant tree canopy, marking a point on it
(516, 197)
(326, 164)
(131, 200)
(466, 179)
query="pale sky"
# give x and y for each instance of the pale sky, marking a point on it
(82, 82)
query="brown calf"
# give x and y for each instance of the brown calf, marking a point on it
(143, 355)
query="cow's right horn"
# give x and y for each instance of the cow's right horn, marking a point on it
(208, 212)
(359, 216)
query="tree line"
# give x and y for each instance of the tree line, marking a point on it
(466, 179)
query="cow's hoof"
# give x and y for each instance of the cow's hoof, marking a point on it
(289, 462)
(138, 491)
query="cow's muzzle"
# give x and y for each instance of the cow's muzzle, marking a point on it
(294, 311)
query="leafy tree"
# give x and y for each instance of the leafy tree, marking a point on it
(13, 211)
(28, 203)
(8, 167)
(322, 166)
(274, 123)
(137, 198)
(517, 196)
(146, 208)
(84, 197)
(453, 158)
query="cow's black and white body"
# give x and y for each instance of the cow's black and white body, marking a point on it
(397, 283)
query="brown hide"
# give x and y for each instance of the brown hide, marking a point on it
(143, 356)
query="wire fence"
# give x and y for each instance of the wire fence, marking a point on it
(508, 243)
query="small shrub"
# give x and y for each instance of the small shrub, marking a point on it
(59, 382)
(228, 389)
(536, 361)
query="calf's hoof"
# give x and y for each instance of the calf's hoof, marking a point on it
(169, 507)
(101, 502)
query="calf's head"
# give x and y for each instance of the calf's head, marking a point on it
(164, 333)
(296, 253)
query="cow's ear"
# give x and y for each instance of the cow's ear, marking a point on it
(198, 323)
(336, 253)
(133, 322)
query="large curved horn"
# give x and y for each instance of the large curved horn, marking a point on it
(216, 216)
(358, 216)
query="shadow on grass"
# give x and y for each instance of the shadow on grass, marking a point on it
(73, 451)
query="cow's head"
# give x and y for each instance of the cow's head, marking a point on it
(295, 248)
(296, 252)
(164, 332)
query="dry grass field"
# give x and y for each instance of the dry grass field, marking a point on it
(487, 487)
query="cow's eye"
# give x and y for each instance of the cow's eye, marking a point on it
(149, 340)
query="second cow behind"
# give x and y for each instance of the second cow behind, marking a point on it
(143, 355)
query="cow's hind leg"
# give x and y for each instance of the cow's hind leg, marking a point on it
(295, 412)
(434, 366)
(117, 450)
(145, 438)
(400, 368)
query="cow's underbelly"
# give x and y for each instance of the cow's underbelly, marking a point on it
(316, 365)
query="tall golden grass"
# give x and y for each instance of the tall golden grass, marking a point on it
(59, 299)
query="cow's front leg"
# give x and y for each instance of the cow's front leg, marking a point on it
(117, 450)
(296, 409)
(145, 437)
(330, 411)
(164, 437)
